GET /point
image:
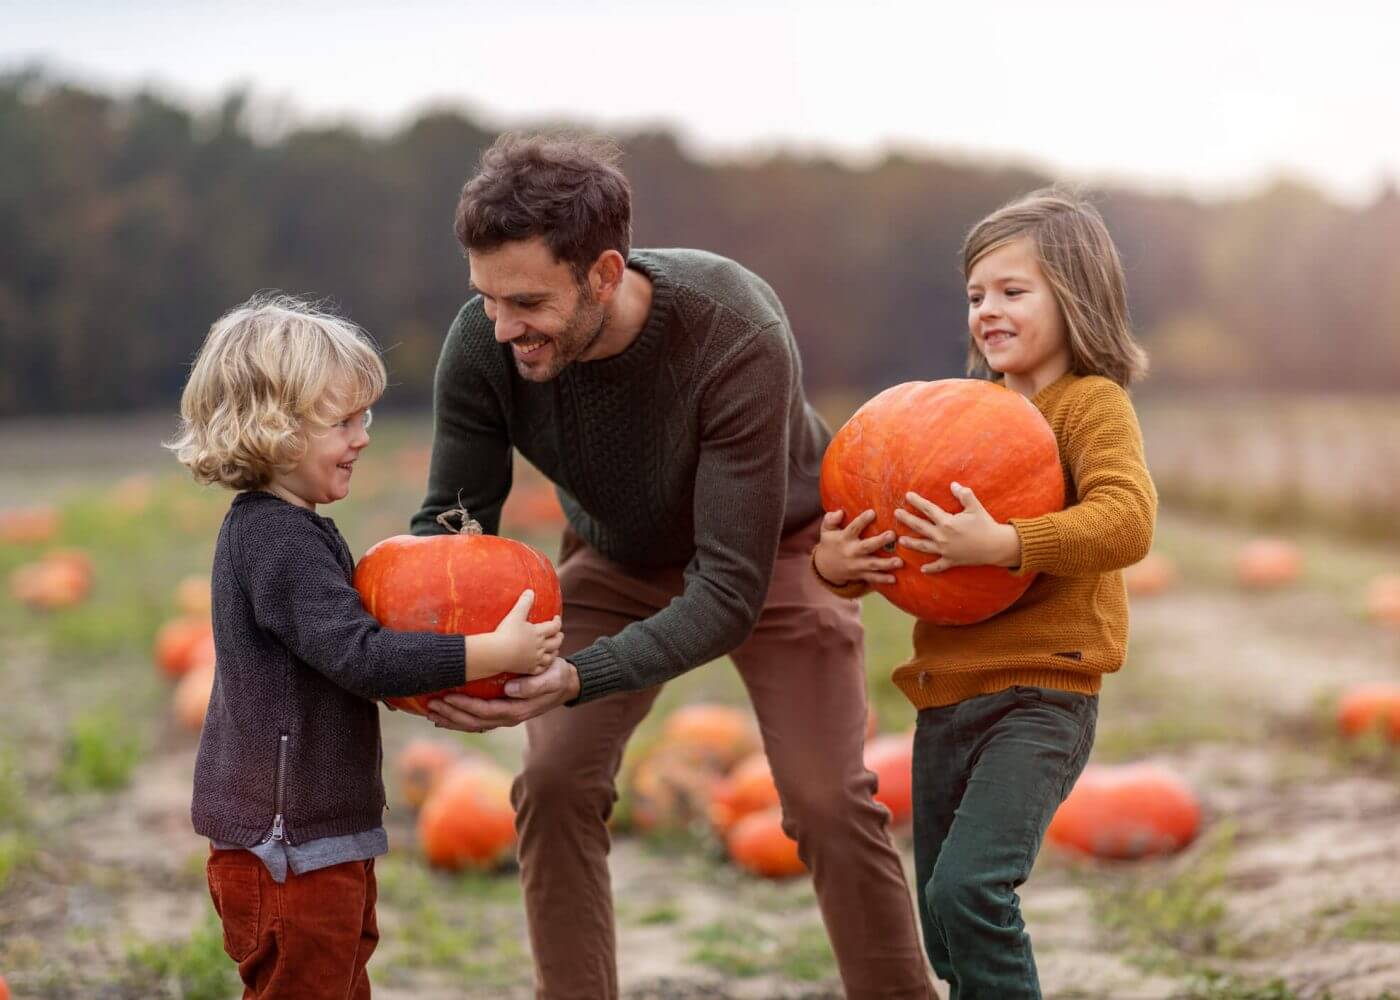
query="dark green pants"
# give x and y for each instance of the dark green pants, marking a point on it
(989, 773)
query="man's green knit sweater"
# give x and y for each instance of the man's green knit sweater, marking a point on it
(694, 447)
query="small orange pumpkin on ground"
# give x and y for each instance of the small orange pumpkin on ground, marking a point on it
(190, 702)
(1154, 575)
(758, 845)
(892, 759)
(1267, 563)
(420, 765)
(29, 525)
(60, 579)
(467, 820)
(177, 642)
(1126, 811)
(1368, 707)
(728, 734)
(1383, 600)
(746, 789)
(4, 989)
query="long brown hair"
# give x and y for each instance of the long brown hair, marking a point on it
(1077, 255)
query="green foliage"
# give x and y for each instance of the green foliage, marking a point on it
(743, 948)
(1378, 921)
(1171, 921)
(100, 753)
(194, 969)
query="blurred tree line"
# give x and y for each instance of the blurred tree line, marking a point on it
(127, 225)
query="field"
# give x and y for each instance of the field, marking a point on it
(1292, 890)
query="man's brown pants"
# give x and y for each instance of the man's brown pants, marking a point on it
(804, 670)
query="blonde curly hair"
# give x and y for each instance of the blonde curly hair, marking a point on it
(271, 371)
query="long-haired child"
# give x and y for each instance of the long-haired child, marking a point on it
(1007, 707)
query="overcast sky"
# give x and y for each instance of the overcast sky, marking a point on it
(1207, 97)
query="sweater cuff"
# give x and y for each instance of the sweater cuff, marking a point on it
(446, 666)
(599, 673)
(854, 589)
(1040, 545)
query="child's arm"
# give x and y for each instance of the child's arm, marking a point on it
(1110, 526)
(846, 563)
(300, 595)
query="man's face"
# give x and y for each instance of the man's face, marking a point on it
(539, 309)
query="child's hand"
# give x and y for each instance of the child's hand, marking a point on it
(969, 538)
(517, 646)
(842, 556)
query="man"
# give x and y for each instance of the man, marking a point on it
(661, 392)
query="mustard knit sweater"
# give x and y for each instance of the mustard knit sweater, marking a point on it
(1071, 627)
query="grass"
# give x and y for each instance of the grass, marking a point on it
(481, 944)
(100, 753)
(194, 969)
(1173, 921)
(1372, 922)
(743, 948)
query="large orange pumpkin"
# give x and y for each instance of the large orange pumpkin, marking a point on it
(892, 759)
(1126, 811)
(722, 731)
(1370, 707)
(748, 788)
(455, 583)
(467, 820)
(924, 436)
(420, 765)
(758, 844)
(1266, 563)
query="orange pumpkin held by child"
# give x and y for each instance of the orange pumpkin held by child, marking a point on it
(922, 437)
(463, 582)
(1126, 811)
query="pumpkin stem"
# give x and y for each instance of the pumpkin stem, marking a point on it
(459, 513)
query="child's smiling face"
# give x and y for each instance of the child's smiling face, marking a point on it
(323, 474)
(1014, 319)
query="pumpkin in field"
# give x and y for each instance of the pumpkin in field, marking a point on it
(455, 583)
(192, 595)
(670, 788)
(420, 765)
(1369, 707)
(1265, 563)
(1153, 575)
(467, 820)
(1126, 811)
(191, 699)
(60, 579)
(758, 845)
(922, 437)
(4, 989)
(28, 525)
(892, 759)
(746, 789)
(178, 641)
(1383, 600)
(722, 731)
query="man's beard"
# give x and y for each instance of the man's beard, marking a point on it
(584, 329)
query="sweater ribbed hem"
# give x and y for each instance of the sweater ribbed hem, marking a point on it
(853, 590)
(1040, 544)
(928, 688)
(448, 666)
(236, 833)
(599, 673)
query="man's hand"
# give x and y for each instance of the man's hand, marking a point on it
(526, 697)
